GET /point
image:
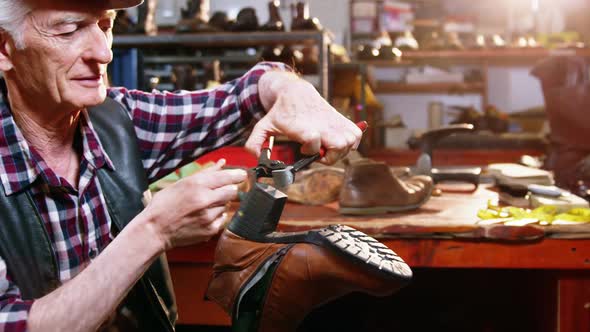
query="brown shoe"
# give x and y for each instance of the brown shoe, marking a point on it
(316, 186)
(301, 19)
(275, 22)
(322, 184)
(195, 18)
(370, 187)
(280, 284)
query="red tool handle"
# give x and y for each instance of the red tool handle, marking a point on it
(268, 144)
(363, 125)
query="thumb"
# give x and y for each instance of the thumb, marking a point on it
(258, 136)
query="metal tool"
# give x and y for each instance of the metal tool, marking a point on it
(261, 207)
(424, 162)
(282, 174)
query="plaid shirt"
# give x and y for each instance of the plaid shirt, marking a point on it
(173, 129)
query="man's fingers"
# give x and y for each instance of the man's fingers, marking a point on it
(213, 213)
(333, 156)
(311, 143)
(218, 166)
(220, 178)
(217, 225)
(220, 196)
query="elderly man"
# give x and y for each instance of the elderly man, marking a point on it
(78, 249)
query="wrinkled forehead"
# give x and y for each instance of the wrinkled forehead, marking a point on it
(48, 11)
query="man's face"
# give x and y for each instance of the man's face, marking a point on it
(65, 57)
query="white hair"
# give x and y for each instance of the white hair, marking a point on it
(12, 18)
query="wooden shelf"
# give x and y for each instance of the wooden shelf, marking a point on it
(221, 39)
(506, 55)
(452, 157)
(450, 88)
(497, 53)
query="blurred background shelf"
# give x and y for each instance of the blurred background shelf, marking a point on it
(506, 56)
(447, 88)
(139, 57)
(220, 39)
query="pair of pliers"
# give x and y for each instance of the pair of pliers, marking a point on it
(282, 174)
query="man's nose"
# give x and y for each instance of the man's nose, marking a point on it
(99, 46)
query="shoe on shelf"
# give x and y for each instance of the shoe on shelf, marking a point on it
(123, 23)
(430, 38)
(247, 20)
(406, 42)
(301, 19)
(453, 41)
(146, 20)
(370, 187)
(275, 22)
(220, 21)
(195, 18)
(282, 53)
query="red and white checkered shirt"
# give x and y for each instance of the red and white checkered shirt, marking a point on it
(172, 128)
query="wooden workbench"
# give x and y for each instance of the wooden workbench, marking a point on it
(442, 235)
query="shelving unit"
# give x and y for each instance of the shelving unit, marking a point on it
(450, 88)
(483, 58)
(503, 56)
(129, 60)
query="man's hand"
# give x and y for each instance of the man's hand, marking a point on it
(298, 111)
(192, 210)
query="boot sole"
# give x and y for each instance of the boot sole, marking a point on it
(383, 209)
(259, 214)
(363, 250)
(352, 244)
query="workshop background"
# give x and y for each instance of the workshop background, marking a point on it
(488, 98)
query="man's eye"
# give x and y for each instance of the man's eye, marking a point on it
(68, 34)
(69, 30)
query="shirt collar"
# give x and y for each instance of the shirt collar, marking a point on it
(21, 166)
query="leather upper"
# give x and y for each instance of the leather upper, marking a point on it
(236, 261)
(307, 276)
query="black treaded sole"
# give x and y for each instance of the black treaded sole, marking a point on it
(364, 250)
(350, 243)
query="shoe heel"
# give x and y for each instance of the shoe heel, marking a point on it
(259, 213)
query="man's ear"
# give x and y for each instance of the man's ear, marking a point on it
(6, 48)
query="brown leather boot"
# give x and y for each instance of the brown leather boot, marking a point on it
(288, 280)
(301, 19)
(275, 22)
(220, 21)
(247, 20)
(146, 20)
(195, 18)
(370, 187)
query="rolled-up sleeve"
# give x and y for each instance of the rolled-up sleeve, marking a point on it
(13, 310)
(175, 128)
